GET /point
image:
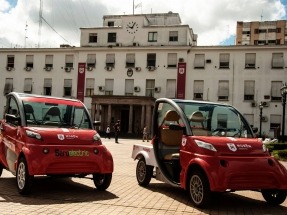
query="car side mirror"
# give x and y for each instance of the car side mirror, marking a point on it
(176, 127)
(15, 120)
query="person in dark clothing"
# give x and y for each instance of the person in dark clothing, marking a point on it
(117, 131)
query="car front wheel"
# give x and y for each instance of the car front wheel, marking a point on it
(24, 180)
(199, 190)
(274, 197)
(1, 169)
(102, 181)
(143, 172)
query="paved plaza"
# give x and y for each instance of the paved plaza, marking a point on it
(124, 196)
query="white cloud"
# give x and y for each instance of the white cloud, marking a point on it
(213, 21)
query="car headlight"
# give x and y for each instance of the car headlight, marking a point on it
(97, 137)
(205, 145)
(33, 134)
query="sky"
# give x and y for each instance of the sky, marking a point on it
(214, 21)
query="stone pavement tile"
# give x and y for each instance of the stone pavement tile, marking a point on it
(124, 196)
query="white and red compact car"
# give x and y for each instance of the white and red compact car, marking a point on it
(207, 148)
(42, 135)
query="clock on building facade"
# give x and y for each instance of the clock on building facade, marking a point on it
(132, 27)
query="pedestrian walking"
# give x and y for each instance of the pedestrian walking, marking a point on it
(117, 131)
(145, 134)
(108, 132)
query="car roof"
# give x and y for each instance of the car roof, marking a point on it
(27, 95)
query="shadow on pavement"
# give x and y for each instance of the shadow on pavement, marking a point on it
(49, 190)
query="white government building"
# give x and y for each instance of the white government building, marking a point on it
(122, 67)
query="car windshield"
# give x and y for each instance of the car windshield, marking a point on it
(207, 119)
(56, 114)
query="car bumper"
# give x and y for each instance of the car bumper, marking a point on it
(52, 159)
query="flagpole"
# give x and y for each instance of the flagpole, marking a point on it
(133, 7)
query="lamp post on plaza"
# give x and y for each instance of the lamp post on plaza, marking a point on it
(260, 115)
(283, 91)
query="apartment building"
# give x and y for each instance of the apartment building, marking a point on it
(123, 66)
(261, 33)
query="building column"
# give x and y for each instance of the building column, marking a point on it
(143, 117)
(109, 114)
(131, 119)
(148, 118)
(98, 109)
(93, 110)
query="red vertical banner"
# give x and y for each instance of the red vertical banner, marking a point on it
(81, 81)
(181, 79)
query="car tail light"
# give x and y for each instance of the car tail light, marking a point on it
(33, 134)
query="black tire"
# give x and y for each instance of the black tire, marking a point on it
(24, 180)
(274, 197)
(102, 181)
(199, 190)
(143, 172)
(1, 169)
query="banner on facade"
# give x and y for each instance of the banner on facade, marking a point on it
(181, 77)
(81, 81)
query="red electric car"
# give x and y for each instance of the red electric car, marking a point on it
(207, 148)
(42, 135)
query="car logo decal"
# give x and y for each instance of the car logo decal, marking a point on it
(183, 141)
(232, 147)
(61, 136)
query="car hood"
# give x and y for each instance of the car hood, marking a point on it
(65, 135)
(235, 146)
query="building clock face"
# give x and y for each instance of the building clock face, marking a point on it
(132, 27)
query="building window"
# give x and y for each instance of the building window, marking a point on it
(275, 121)
(249, 118)
(28, 85)
(152, 36)
(112, 37)
(277, 61)
(172, 60)
(199, 61)
(91, 60)
(48, 86)
(249, 90)
(10, 61)
(129, 87)
(69, 61)
(223, 90)
(151, 60)
(8, 86)
(110, 60)
(150, 83)
(173, 36)
(198, 90)
(49, 61)
(90, 82)
(109, 86)
(275, 90)
(250, 60)
(111, 23)
(224, 61)
(93, 38)
(29, 61)
(170, 88)
(130, 60)
(67, 87)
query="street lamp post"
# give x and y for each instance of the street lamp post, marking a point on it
(260, 119)
(283, 91)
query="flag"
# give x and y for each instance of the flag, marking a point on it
(138, 5)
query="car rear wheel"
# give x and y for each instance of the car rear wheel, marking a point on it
(143, 172)
(24, 180)
(1, 169)
(102, 181)
(199, 190)
(274, 197)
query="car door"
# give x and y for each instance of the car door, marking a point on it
(10, 132)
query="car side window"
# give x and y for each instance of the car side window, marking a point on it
(13, 107)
